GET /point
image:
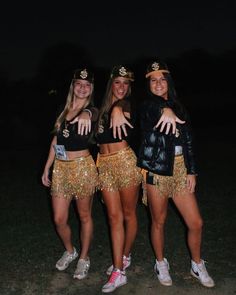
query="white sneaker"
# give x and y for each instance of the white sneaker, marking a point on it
(117, 279)
(66, 259)
(198, 270)
(126, 264)
(82, 269)
(161, 268)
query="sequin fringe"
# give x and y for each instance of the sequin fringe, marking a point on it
(76, 178)
(118, 170)
(168, 185)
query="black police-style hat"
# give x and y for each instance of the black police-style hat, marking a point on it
(122, 71)
(156, 66)
(83, 74)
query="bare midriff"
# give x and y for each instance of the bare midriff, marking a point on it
(76, 154)
(108, 148)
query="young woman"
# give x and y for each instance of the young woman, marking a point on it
(74, 172)
(119, 177)
(170, 171)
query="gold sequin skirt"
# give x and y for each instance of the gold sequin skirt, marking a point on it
(167, 185)
(76, 178)
(118, 170)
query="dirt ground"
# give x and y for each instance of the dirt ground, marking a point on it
(29, 246)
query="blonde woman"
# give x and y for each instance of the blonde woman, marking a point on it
(74, 174)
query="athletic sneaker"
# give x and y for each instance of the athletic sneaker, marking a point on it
(161, 268)
(198, 270)
(66, 259)
(126, 264)
(82, 269)
(117, 279)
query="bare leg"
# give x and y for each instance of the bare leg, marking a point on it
(158, 209)
(129, 198)
(84, 208)
(116, 222)
(188, 208)
(60, 207)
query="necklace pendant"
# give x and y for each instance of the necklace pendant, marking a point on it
(65, 132)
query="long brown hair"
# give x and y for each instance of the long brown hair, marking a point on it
(107, 99)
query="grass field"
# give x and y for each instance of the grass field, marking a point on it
(29, 246)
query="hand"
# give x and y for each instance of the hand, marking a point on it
(169, 120)
(84, 123)
(118, 122)
(191, 182)
(45, 178)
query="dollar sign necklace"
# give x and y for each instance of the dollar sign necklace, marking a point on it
(65, 131)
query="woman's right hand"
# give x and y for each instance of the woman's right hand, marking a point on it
(118, 122)
(45, 178)
(168, 120)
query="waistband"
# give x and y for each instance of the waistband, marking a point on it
(75, 159)
(115, 153)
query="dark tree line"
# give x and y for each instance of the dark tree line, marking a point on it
(204, 83)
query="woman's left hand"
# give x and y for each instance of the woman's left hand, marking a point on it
(84, 123)
(191, 182)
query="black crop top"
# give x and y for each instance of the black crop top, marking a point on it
(69, 137)
(105, 133)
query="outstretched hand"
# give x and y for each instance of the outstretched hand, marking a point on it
(168, 120)
(118, 122)
(84, 123)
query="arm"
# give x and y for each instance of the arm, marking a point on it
(189, 155)
(45, 177)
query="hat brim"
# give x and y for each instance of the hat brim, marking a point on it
(158, 71)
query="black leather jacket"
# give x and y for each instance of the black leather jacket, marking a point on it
(157, 149)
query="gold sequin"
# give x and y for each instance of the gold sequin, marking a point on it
(118, 170)
(76, 178)
(168, 185)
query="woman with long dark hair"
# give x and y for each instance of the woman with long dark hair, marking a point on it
(170, 170)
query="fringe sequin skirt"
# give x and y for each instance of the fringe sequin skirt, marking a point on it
(118, 170)
(76, 178)
(167, 185)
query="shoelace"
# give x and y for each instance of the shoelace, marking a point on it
(203, 270)
(82, 266)
(164, 270)
(126, 260)
(113, 277)
(66, 255)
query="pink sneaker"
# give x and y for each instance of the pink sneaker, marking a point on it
(117, 279)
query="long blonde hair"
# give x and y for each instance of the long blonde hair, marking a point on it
(69, 101)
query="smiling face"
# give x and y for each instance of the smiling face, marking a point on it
(82, 89)
(159, 85)
(120, 87)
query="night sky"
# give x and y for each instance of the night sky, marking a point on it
(113, 31)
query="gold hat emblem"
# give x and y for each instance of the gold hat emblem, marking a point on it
(123, 71)
(84, 74)
(155, 66)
